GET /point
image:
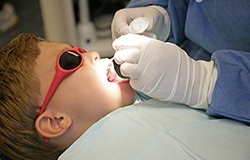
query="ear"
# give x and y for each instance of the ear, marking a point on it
(52, 125)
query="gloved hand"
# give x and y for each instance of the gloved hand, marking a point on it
(159, 22)
(164, 71)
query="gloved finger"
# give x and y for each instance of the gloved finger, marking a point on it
(127, 56)
(149, 34)
(120, 23)
(130, 70)
(154, 17)
(121, 28)
(159, 22)
(130, 41)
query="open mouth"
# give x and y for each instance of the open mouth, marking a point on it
(112, 75)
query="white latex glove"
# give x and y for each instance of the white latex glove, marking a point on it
(159, 22)
(164, 71)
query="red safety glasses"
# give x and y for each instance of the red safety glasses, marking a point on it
(68, 62)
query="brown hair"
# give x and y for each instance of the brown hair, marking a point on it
(19, 91)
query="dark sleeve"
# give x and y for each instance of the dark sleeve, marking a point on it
(231, 96)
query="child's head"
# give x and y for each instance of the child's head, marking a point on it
(27, 67)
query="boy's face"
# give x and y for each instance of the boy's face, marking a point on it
(86, 95)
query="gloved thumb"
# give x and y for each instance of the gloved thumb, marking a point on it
(127, 56)
(128, 47)
(130, 41)
(130, 70)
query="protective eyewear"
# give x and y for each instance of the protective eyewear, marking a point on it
(67, 62)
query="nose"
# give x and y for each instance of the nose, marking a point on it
(91, 56)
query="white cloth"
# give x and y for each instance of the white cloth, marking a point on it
(154, 130)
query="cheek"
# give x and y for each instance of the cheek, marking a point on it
(81, 101)
(87, 92)
(84, 87)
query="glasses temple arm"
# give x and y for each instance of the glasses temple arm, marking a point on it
(53, 86)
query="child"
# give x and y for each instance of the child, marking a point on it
(34, 126)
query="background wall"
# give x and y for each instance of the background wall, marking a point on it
(55, 21)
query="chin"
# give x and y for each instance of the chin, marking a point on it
(128, 94)
(123, 84)
(117, 85)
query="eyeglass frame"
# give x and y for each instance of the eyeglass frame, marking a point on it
(58, 77)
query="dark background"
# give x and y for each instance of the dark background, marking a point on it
(30, 20)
